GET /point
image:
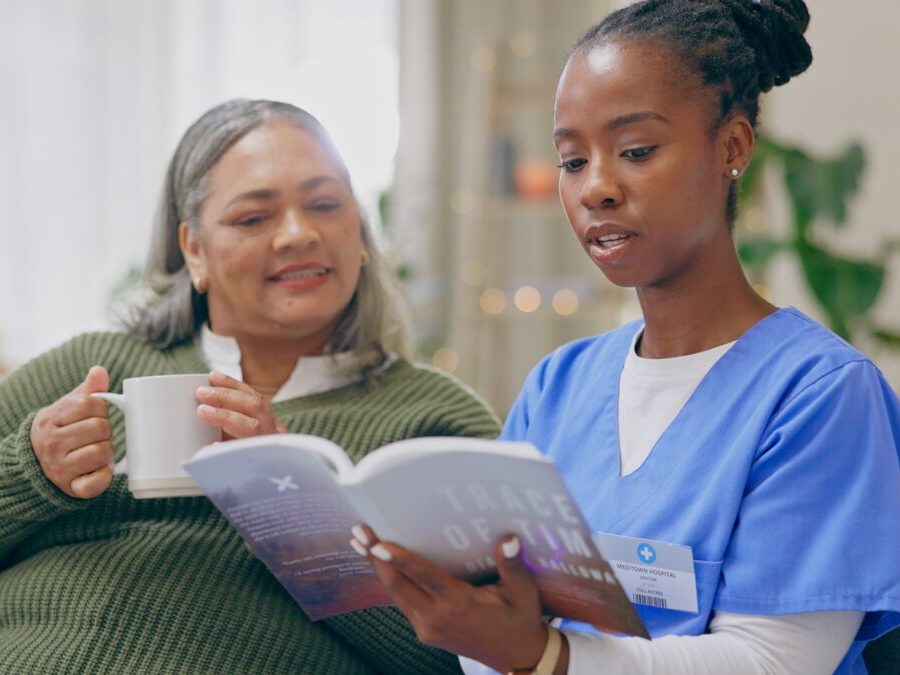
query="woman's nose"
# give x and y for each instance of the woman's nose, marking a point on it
(601, 187)
(294, 230)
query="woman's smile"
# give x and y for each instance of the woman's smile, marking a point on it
(302, 277)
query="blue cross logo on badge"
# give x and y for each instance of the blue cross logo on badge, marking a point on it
(646, 553)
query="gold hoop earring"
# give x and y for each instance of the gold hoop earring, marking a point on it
(364, 258)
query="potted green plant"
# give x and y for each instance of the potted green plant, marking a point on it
(819, 190)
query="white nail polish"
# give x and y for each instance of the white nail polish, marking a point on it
(360, 535)
(359, 548)
(510, 548)
(381, 552)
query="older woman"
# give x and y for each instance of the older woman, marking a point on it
(264, 272)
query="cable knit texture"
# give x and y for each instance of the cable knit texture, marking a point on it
(118, 585)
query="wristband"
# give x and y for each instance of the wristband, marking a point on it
(547, 664)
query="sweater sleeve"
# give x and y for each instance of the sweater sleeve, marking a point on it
(469, 421)
(27, 498)
(461, 412)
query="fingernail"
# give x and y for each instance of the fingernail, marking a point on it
(359, 548)
(510, 548)
(360, 535)
(206, 409)
(204, 391)
(381, 552)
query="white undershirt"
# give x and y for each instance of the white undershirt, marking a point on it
(651, 394)
(812, 643)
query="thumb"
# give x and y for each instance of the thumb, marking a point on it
(513, 574)
(97, 380)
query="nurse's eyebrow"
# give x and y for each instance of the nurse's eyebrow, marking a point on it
(633, 118)
(616, 123)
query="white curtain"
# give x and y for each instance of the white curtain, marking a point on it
(96, 93)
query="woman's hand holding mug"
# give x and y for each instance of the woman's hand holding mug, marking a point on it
(71, 439)
(236, 408)
(72, 436)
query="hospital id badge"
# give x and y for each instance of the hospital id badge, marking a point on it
(653, 573)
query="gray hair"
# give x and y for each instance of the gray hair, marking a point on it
(374, 323)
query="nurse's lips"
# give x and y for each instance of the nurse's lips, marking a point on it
(607, 242)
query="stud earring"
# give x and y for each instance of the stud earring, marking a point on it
(364, 258)
(735, 173)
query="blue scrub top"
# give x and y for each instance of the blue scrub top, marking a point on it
(781, 472)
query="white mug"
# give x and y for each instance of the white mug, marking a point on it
(161, 431)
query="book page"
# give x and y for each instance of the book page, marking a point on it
(332, 454)
(285, 503)
(386, 457)
(453, 507)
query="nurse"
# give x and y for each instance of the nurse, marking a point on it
(748, 433)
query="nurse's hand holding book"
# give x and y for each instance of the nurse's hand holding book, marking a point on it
(499, 625)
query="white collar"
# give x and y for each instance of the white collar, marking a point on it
(311, 375)
(690, 366)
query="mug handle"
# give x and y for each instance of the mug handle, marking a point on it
(117, 400)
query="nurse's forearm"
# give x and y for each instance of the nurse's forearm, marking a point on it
(739, 644)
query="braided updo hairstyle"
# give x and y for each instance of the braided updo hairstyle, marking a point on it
(739, 49)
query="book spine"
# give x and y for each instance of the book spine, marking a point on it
(367, 507)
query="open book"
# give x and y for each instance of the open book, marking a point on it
(294, 498)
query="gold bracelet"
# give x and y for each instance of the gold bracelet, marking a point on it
(547, 664)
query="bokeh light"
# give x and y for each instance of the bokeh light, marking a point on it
(492, 301)
(527, 299)
(446, 359)
(565, 302)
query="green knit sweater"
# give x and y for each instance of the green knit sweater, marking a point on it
(118, 585)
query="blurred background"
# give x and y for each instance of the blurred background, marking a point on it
(442, 109)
